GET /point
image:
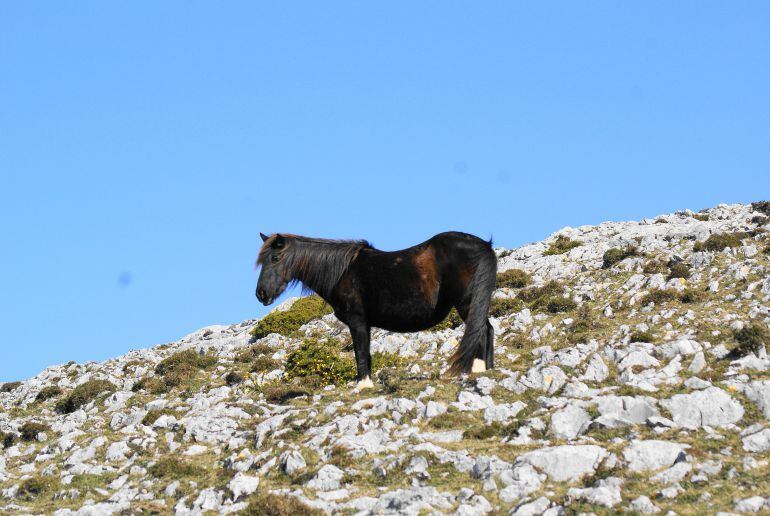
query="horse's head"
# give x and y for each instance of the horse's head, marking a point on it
(274, 276)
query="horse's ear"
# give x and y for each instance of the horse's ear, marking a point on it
(264, 237)
(279, 241)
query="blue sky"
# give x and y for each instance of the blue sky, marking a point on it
(144, 145)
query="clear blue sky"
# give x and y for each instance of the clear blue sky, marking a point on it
(144, 145)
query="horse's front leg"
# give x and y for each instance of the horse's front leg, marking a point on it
(360, 333)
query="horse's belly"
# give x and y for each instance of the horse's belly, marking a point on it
(408, 317)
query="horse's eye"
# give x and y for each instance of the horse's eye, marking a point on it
(274, 259)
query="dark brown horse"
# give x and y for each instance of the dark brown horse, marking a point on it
(408, 290)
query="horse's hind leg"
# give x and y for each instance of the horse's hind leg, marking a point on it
(490, 358)
(360, 333)
(482, 358)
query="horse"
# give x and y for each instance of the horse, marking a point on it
(403, 291)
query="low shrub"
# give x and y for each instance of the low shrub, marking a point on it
(761, 207)
(558, 304)
(659, 296)
(495, 429)
(233, 378)
(10, 386)
(287, 322)
(534, 294)
(153, 414)
(252, 352)
(678, 270)
(7, 439)
(282, 392)
(173, 467)
(502, 306)
(30, 430)
(320, 363)
(561, 245)
(84, 394)
(750, 339)
(654, 267)
(518, 341)
(719, 241)
(263, 364)
(616, 254)
(691, 295)
(268, 504)
(184, 359)
(36, 487)
(513, 278)
(46, 393)
(703, 217)
(583, 325)
(151, 385)
(642, 336)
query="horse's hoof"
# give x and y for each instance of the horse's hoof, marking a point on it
(479, 366)
(366, 383)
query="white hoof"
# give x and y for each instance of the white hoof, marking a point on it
(366, 383)
(478, 366)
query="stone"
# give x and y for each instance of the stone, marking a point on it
(292, 461)
(631, 408)
(520, 481)
(596, 370)
(758, 391)
(327, 478)
(643, 505)
(698, 363)
(569, 422)
(674, 474)
(753, 504)
(709, 407)
(652, 454)
(433, 409)
(533, 508)
(503, 412)
(758, 442)
(606, 492)
(243, 485)
(567, 462)
(117, 451)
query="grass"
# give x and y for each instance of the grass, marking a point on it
(616, 255)
(282, 392)
(289, 321)
(36, 487)
(182, 360)
(513, 278)
(233, 378)
(504, 306)
(451, 321)
(642, 336)
(153, 415)
(561, 245)
(84, 394)
(659, 296)
(678, 270)
(654, 266)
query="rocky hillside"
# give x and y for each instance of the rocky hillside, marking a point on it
(632, 375)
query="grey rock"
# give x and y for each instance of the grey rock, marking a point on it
(711, 407)
(673, 474)
(533, 508)
(292, 461)
(644, 505)
(569, 422)
(652, 454)
(327, 478)
(758, 442)
(752, 504)
(243, 485)
(567, 462)
(606, 492)
(759, 392)
(634, 409)
(520, 481)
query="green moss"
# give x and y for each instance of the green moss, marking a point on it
(46, 393)
(502, 306)
(718, 241)
(513, 278)
(320, 362)
(36, 487)
(616, 254)
(659, 296)
(678, 270)
(750, 339)
(453, 320)
(561, 245)
(269, 504)
(84, 394)
(10, 386)
(30, 430)
(287, 322)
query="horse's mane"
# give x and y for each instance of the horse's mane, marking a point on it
(318, 263)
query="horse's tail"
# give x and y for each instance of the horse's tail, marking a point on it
(478, 297)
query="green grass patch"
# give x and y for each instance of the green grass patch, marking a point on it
(320, 362)
(289, 321)
(642, 336)
(174, 468)
(499, 307)
(37, 487)
(561, 245)
(84, 394)
(678, 270)
(451, 321)
(659, 296)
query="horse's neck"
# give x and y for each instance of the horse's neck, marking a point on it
(319, 274)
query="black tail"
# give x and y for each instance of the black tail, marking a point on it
(479, 295)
